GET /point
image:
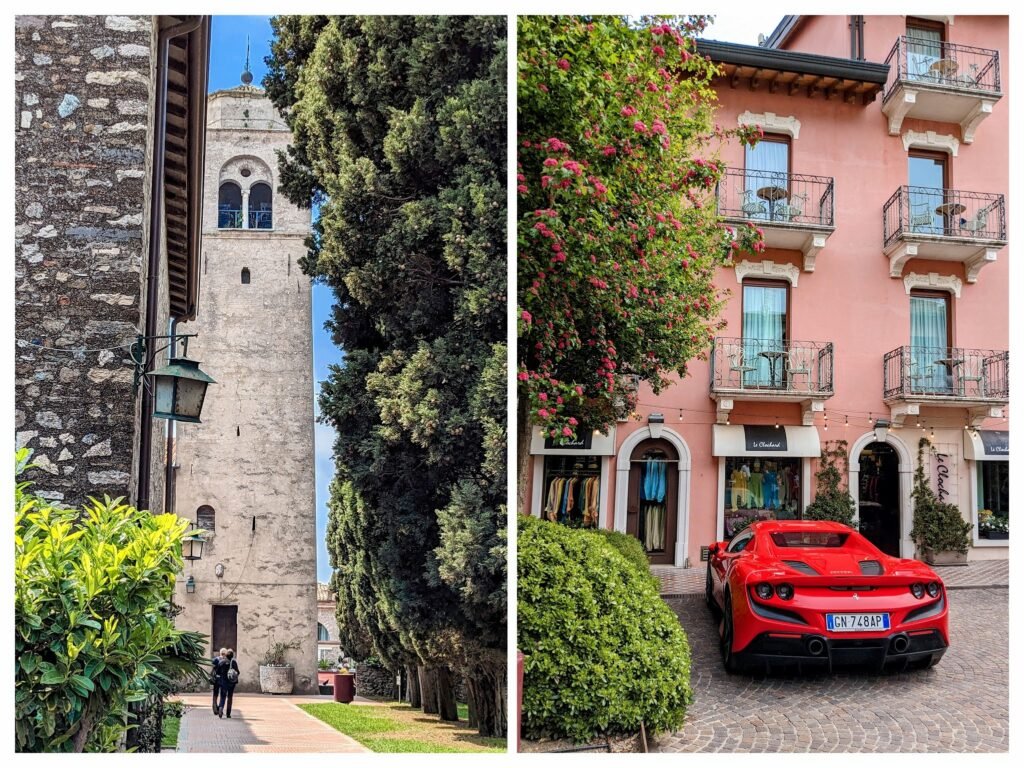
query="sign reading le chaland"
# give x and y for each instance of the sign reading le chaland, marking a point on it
(581, 443)
(761, 437)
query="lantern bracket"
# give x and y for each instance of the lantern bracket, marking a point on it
(140, 355)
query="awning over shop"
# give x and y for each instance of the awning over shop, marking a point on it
(593, 444)
(986, 445)
(764, 440)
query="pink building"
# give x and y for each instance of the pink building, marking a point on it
(878, 314)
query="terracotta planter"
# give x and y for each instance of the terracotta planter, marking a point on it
(945, 558)
(344, 688)
(277, 679)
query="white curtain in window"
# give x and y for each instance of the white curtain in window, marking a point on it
(764, 324)
(924, 48)
(928, 344)
(767, 165)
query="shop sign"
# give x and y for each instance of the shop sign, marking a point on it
(943, 473)
(996, 443)
(761, 437)
(581, 443)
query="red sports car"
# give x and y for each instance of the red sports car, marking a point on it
(818, 593)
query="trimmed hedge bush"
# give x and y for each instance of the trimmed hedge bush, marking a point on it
(631, 549)
(603, 652)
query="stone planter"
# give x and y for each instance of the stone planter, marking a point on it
(945, 558)
(277, 679)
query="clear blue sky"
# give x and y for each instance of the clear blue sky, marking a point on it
(227, 60)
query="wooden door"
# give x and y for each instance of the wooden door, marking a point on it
(654, 524)
(225, 628)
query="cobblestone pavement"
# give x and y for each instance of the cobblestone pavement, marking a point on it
(960, 705)
(982, 573)
(259, 723)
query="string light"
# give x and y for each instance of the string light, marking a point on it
(776, 422)
(680, 414)
(871, 420)
(931, 437)
(847, 422)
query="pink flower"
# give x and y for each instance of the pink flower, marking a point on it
(639, 126)
(563, 64)
(523, 376)
(628, 111)
(543, 413)
(567, 432)
(527, 317)
(659, 127)
(609, 151)
(579, 391)
(543, 87)
(550, 162)
(542, 396)
(523, 189)
(658, 50)
(573, 421)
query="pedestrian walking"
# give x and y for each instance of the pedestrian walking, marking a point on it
(213, 677)
(227, 679)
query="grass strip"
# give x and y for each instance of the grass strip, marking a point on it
(170, 735)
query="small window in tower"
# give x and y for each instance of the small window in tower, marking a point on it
(206, 518)
(229, 206)
(245, 275)
(260, 207)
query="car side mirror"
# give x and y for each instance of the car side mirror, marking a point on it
(713, 549)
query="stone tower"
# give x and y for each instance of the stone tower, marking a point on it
(246, 474)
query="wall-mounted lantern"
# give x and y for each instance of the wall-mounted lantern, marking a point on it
(655, 423)
(190, 585)
(179, 388)
(881, 429)
(192, 543)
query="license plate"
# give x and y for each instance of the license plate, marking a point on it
(857, 622)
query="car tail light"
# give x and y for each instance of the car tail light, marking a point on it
(933, 589)
(917, 590)
(764, 590)
(784, 591)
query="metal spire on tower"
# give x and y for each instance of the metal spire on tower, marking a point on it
(246, 75)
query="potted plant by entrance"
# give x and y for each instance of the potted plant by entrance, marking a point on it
(276, 674)
(940, 531)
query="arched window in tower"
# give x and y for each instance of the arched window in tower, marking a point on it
(321, 633)
(206, 518)
(261, 213)
(229, 206)
(245, 276)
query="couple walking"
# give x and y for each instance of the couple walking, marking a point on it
(225, 678)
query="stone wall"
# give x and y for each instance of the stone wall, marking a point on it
(84, 100)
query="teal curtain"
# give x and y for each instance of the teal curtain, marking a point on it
(928, 344)
(767, 165)
(764, 328)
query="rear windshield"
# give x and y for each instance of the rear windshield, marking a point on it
(809, 539)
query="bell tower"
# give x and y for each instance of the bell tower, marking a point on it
(246, 473)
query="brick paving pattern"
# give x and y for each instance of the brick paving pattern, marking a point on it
(983, 573)
(259, 723)
(961, 705)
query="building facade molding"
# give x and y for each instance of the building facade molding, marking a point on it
(771, 122)
(933, 281)
(767, 269)
(941, 142)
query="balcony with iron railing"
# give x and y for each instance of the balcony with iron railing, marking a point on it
(795, 211)
(234, 219)
(229, 219)
(952, 377)
(940, 81)
(945, 225)
(770, 370)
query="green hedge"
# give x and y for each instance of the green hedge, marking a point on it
(631, 549)
(603, 652)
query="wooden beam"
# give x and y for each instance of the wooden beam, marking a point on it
(755, 79)
(814, 87)
(794, 85)
(735, 78)
(773, 84)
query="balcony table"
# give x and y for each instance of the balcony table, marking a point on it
(772, 194)
(773, 357)
(949, 213)
(950, 364)
(943, 69)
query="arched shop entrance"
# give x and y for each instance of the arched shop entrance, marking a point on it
(652, 509)
(879, 493)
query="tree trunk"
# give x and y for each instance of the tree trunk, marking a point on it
(471, 694)
(446, 704)
(491, 698)
(428, 690)
(524, 432)
(413, 687)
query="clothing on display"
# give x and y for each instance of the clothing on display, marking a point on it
(573, 499)
(654, 483)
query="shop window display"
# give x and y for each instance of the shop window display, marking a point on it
(994, 499)
(572, 490)
(760, 488)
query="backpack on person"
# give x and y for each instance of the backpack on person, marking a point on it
(232, 673)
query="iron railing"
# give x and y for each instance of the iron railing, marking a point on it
(229, 219)
(945, 213)
(947, 373)
(933, 62)
(261, 219)
(773, 196)
(783, 367)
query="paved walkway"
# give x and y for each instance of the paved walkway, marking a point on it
(259, 723)
(982, 573)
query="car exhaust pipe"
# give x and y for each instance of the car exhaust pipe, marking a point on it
(900, 643)
(815, 646)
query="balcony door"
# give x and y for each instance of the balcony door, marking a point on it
(765, 332)
(931, 361)
(926, 174)
(924, 48)
(766, 183)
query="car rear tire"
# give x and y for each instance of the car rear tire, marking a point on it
(709, 592)
(728, 655)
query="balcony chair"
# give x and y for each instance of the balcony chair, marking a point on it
(979, 223)
(739, 366)
(920, 217)
(793, 209)
(798, 364)
(922, 378)
(751, 205)
(976, 374)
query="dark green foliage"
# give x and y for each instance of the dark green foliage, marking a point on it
(831, 500)
(631, 549)
(938, 525)
(603, 652)
(399, 133)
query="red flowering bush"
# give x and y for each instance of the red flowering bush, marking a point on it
(618, 236)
